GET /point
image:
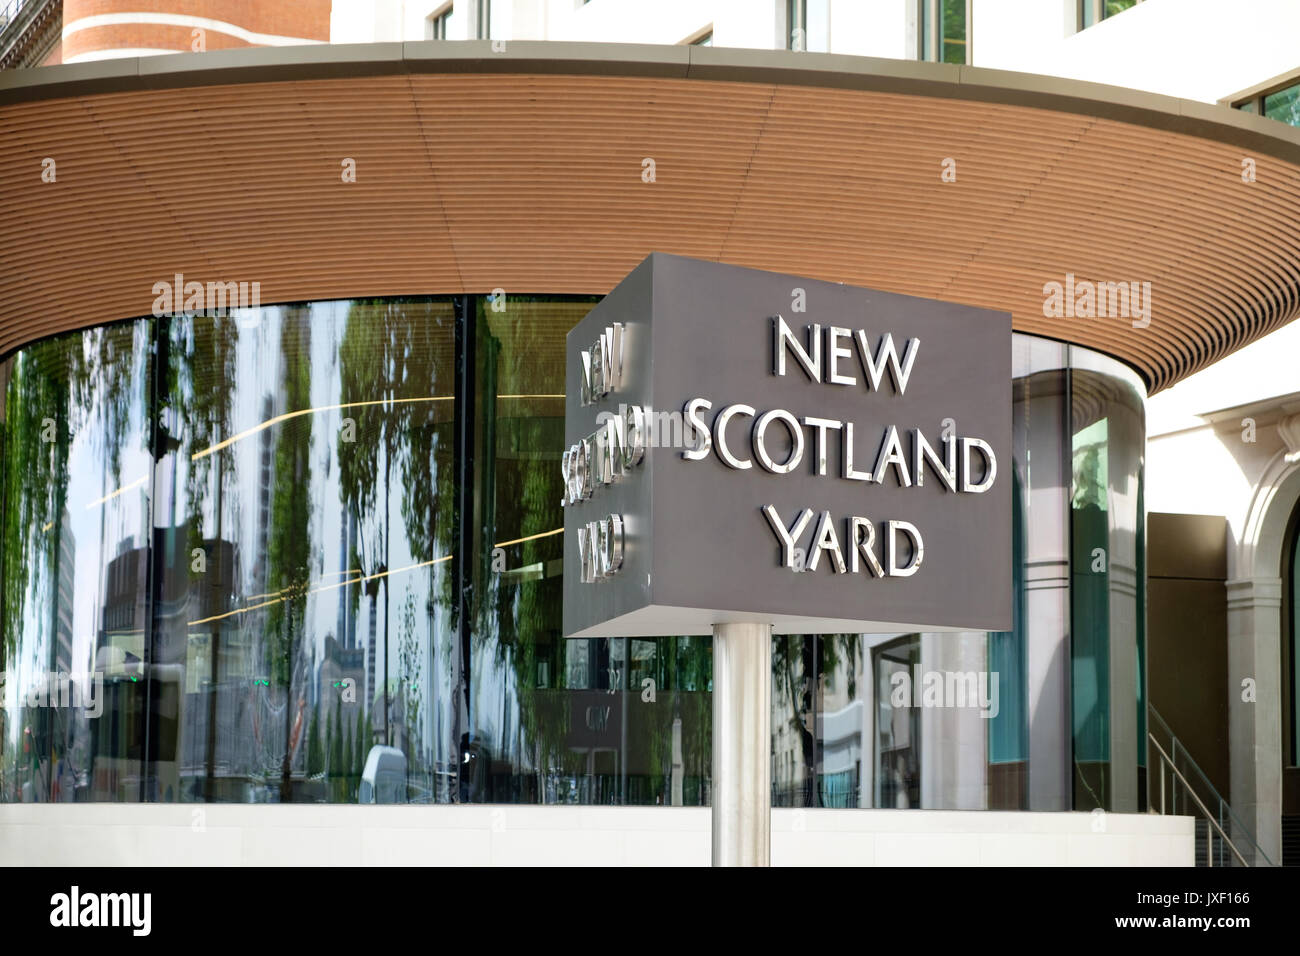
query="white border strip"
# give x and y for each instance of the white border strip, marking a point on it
(226, 834)
(119, 53)
(181, 20)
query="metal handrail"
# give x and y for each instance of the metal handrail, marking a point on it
(9, 12)
(1194, 766)
(1204, 810)
(1236, 821)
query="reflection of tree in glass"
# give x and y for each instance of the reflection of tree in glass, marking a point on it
(34, 481)
(410, 681)
(522, 612)
(1089, 483)
(954, 31)
(58, 389)
(392, 353)
(681, 669)
(289, 542)
(315, 754)
(339, 766)
(370, 356)
(86, 386)
(795, 659)
(538, 601)
(427, 489)
(200, 378)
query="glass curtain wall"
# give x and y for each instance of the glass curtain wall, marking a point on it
(74, 567)
(311, 553)
(1047, 716)
(240, 527)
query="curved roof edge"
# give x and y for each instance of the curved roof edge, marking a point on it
(830, 70)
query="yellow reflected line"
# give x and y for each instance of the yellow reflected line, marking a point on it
(326, 587)
(311, 411)
(292, 587)
(262, 426)
(242, 610)
(531, 537)
(113, 494)
(378, 574)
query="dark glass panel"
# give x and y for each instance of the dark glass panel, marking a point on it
(555, 721)
(1008, 728)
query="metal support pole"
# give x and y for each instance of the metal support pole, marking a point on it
(742, 744)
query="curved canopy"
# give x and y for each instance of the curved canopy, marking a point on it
(529, 170)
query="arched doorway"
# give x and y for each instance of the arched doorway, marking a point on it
(1291, 692)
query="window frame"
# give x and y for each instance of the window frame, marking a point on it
(440, 18)
(793, 15)
(1256, 104)
(700, 35)
(929, 22)
(1255, 96)
(1098, 9)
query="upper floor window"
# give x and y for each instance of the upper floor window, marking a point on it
(1094, 11)
(483, 19)
(1284, 105)
(438, 22)
(808, 25)
(704, 39)
(1278, 99)
(944, 30)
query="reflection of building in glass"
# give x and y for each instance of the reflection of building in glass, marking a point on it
(346, 628)
(265, 486)
(67, 565)
(124, 616)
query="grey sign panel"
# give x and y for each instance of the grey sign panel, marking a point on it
(820, 457)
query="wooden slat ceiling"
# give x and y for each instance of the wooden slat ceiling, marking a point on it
(532, 182)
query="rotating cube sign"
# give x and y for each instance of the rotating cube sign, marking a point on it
(751, 446)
